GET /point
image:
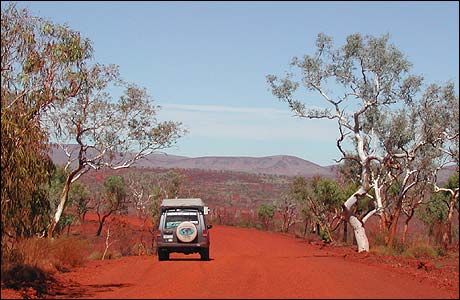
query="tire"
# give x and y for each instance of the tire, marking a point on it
(204, 253)
(186, 232)
(163, 255)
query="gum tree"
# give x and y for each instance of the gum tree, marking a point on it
(96, 131)
(113, 199)
(53, 92)
(39, 61)
(362, 81)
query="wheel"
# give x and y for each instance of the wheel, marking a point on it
(186, 232)
(204, 253)
(163, 255)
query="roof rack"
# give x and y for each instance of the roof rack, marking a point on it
(195, 203)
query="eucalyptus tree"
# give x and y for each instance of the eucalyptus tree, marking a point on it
(300, 191)
(265, 213)
(112, 199)
(421, 138)
(286, 206)
(96, 131)
(324, 203)
(53, 91)
(451, 189)
(360, 83)
(39, 60)
(441, 112)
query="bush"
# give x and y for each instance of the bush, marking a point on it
(384, 250)
(23, 277)
(139, 249)
(69, 252)
(121, 235)
(420, 251)
(95, 255)
(45, 254)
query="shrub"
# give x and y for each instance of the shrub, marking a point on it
(121, 236)
(420, 251)
(69, 252)
(25, 277)
(95, 255)
(45, 254)
(384, 250)
(139, 249)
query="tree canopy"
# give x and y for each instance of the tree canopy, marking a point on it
(392, 125)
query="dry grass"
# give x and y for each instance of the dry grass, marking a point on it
(417, 249)
(31, 262)
(47, 255)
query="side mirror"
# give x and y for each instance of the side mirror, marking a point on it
(209, 226)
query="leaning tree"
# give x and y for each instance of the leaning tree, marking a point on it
(366, 87)
(53, 92)
(96, 131)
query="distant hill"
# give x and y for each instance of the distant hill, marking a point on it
(272, 165)
(284, 165)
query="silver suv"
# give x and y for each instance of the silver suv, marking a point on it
(183, 228)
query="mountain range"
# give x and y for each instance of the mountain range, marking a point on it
(284, 165)
(274, 165)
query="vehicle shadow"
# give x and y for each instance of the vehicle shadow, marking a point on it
(188, 259)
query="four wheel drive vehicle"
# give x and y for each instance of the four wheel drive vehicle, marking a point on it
(183, 228)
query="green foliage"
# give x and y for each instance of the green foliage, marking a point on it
(436, 209)
(395, 124)
(114, 187)
(327, 192)
(51, 88)
(40, 61)
(115, 193)
(300, 191)
(453, 181)
(265, 213)
(155, 202)
(25, 172)
(325, 202)
(266, 210)
(56, 185)
(65, 221)
(79, 196)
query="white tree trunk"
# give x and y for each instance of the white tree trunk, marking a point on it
(360, 234)
(355, 223)
(59, 210)
(64, 196)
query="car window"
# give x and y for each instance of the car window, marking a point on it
(174, 219)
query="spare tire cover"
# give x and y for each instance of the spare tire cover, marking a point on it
(186, 232)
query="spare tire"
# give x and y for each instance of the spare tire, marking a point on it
(186, 232)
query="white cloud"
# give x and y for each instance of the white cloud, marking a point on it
(248, 123)
(224, 109)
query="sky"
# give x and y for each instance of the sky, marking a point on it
(205, 63)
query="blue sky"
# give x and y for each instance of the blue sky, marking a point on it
(205, 62)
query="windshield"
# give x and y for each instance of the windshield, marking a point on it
(173, 219)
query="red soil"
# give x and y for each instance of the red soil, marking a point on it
(248, 263)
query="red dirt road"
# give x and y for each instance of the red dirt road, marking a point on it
(248, 263)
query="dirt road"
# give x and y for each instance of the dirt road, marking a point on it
(247, 263)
